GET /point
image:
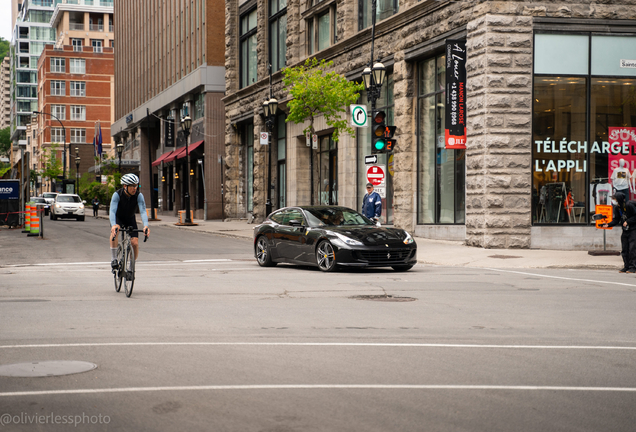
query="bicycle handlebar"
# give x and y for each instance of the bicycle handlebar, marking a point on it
(129, 231)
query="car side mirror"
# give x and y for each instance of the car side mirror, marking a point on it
(295, 223)
(84, 202)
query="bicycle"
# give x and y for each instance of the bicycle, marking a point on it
(125, 260)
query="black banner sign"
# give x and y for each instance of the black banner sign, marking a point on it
(169, 132)
(455, 121)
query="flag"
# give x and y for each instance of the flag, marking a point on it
(99, 141)
(94, 148)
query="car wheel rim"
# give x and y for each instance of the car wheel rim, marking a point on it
(326, 256)
(261, 251)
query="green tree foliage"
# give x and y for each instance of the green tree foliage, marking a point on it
(5, 141)
(52, 165)
(4, 47)
(318, 92)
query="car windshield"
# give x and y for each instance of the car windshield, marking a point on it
(335, 216)
(38, 200)
(68, 199)
(49, 195)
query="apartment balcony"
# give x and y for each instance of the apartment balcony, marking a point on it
(76, 26)
(96, 27)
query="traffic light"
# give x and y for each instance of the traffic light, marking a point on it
(382, 134)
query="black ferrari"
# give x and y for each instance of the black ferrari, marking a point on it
(328, 237)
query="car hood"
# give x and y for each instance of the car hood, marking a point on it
(370, 235)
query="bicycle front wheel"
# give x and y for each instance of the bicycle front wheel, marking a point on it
(129, 269)
(117, 273)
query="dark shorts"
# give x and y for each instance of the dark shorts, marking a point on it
(128, 222)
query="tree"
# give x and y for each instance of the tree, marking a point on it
(52, 165)
(316, 91)
(5, 141)
(4, 47)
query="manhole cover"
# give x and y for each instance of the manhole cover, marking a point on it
(504, 256)
(384, 298)
(46, 368)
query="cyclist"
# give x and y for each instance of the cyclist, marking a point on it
(122, 213)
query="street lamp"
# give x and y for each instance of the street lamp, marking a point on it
(373, 77)
(34, 117)
(120, 148)
(269, 112)
(77, 164)
(186, 125)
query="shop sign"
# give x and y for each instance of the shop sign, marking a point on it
(619, 146)
(455, 118)
(10, 189)
(169, 132)
(631, 64)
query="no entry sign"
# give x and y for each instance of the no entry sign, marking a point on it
(375, 175)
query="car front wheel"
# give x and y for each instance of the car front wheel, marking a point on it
(326, 257)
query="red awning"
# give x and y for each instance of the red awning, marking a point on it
(191, 148)
(174, 154)
(162, 158)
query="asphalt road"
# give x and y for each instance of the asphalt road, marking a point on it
(210, 341)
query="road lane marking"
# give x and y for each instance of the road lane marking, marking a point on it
(324, 344)
(99, 263)
(561, 277)
(317, 387)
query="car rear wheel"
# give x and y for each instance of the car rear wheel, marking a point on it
(263, 255)
(326, 257)
(402, 268)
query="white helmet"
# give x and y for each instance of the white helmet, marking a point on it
(129, 179)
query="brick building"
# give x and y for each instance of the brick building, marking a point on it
(539, 74)
(169, 62)
(75, 86)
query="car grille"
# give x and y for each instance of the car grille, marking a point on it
(386, 255)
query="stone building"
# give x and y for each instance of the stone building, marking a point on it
(550, 110)
(169, 64)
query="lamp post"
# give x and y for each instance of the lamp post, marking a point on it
(269, 112)
(120, 149)
(77, 164)
(186, 124)
(34, 117)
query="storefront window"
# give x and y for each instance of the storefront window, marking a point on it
(581, 158)
(328, 174)
(441, 172)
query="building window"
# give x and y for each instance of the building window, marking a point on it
(58, 88)
(384, 103)
(327, 171)
(321, 30)
(78, 136)
(57, 135)
(248, 49)
(97, 45)
(384, 9)
(277, 34)
(58, 65)
(78, 112)
(59, 111)
(281, 153)
(248, 142)
(581, 157)
(199, 106)
(78, 66)
(77, 44)
(78, 88)
(440, 172)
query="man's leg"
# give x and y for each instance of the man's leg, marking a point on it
(113, 250)
(135, 244)
(632, 250)
(625, 250)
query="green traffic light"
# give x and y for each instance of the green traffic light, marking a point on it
(379, 145)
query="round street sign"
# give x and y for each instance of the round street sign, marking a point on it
(358, 115)
(375, 175)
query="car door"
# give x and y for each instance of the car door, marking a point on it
(290, 234)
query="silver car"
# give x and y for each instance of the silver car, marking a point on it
(68, 206)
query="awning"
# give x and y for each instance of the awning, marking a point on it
(174, 154)
(191, 148)
(162, 158)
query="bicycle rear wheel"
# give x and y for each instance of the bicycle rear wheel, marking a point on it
(117, 273)
(129, 269)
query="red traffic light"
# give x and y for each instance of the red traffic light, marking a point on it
(379, 117)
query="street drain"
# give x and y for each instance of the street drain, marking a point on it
(504, 256)
(383, 298)
(46, 368)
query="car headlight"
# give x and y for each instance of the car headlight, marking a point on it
(58, 206)
(408, 239)
(81, 206)
(343, 241)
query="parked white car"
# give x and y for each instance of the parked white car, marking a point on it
(68, 206)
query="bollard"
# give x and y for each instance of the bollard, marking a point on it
(35, 222)
(27, 218)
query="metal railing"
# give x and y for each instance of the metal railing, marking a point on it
(76, 26)
(96, 27)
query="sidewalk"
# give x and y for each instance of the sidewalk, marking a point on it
(436, 252)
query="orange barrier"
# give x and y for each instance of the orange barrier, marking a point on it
(35, 222)
(27, 218)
